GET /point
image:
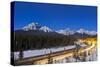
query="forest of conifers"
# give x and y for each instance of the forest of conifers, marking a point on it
(27, 40)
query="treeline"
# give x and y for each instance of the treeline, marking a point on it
(81, 36)
(25, 40)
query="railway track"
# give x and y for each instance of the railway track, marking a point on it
(43, 59)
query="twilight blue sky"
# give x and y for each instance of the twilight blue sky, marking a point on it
(55, 16)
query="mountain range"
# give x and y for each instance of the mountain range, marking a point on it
(67, 31)
(35, 36)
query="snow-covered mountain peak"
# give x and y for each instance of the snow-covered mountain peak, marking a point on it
(71, 32)
(81, 31)
(66, 31)
(86, 32)
(45, 29)
(36, 26)
(31, 26)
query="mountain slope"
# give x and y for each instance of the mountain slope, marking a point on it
(80, 31)
(36, 26)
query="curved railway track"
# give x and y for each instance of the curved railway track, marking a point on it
(43, 59)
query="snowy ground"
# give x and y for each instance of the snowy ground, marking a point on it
(30, 53)
(92, 57)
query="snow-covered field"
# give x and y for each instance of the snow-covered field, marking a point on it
(30, 53)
